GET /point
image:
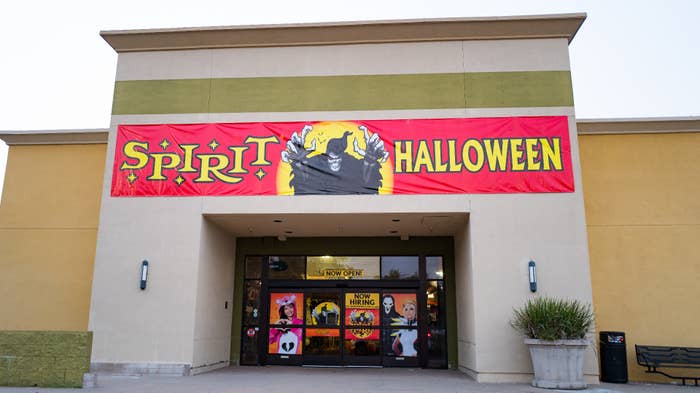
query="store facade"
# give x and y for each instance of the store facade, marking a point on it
(455, 142)
(337, 194)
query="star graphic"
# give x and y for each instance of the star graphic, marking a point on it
(164, 144)
(179, 180)
(260, 174)
(131, 177)
(213, 144)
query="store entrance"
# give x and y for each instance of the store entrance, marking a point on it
(344, 311)
(343, 327)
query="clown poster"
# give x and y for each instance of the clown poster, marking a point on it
(285, 337)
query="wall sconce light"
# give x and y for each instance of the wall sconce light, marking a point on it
(144, 274)
(533, 276)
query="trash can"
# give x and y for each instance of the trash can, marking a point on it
(613, 357)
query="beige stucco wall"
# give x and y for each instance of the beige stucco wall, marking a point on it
(359, 59)
(643, 215)
(157, 324)
(464, 299)
(48, 227)
(214, 305)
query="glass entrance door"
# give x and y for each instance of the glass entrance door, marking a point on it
(401, 344)
(322, 335)
(362, 329)
(350, 327)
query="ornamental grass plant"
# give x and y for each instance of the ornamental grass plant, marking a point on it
(550, 319)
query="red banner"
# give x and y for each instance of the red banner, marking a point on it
(425, 156)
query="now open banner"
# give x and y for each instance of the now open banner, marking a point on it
(410, 156)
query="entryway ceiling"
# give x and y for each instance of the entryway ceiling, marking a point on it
(332, 225)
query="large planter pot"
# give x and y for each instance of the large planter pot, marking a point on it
(557, 364)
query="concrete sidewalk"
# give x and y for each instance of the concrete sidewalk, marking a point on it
(280, 379)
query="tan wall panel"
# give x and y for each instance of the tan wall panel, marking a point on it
(641, 179)
(46, 278)
(643, 218)
(53, 186)
(645, 283)
(48, 228)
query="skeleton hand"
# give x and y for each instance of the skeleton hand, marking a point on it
(295, 146)
(374, 149)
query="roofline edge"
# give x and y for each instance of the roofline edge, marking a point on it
(352, 32)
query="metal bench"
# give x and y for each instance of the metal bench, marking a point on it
(653, 357)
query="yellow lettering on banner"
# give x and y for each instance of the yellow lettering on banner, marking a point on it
(159, 164)
(532, 153)
(261, 148)
(516, 154)
(497, 154)
(551, 155)
(238, 159)
(455, 166)
(437, 148)
(423, 158)
(473, 166)
(403, 158)
(207, 168)
(187, 161)
(131, 152)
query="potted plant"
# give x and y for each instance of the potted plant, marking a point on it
(555, 332)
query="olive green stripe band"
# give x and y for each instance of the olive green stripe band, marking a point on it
(344, 93)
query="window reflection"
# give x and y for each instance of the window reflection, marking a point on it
(253, 267)
(252, 302)
(433, 268)
(286, 268)
(362, 341)
(400, 268)
(322, 341)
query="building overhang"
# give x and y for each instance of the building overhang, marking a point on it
(649, 125)
(359, 32)
(54, 137)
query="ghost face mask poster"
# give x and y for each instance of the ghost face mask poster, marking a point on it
(400, 319)
(285, 323)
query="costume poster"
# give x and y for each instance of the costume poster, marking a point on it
(400, 318)
(322, 310)
(411, 156)
(285, 336)
(361, 313)
(362, 308)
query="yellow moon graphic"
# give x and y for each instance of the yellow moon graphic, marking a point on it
(322, 132)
